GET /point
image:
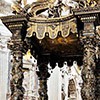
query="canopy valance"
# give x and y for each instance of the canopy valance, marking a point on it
(41, 27)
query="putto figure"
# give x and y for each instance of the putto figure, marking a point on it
(16, 7)
(20, 6)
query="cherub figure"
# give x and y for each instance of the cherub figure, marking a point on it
(16, 7)
(20, 6)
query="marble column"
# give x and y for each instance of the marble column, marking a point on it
(17, 25)
(43, 75)
(97, 71)
(88, 89)
(16, 46)
(89, 64)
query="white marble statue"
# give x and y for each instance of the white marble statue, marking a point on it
(70, 3)
(54, 84)
(74, 73)
(64, 6)
(30, 82)
(58, 82)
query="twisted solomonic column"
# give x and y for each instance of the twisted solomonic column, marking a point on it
(17, 25)
(89, 41)
(88, 88)
(16, 45)
(97, 71)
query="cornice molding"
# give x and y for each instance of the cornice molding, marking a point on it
(13, 18)
(86, 11)
(51, 20)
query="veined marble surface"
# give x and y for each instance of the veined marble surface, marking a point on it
(5, 8)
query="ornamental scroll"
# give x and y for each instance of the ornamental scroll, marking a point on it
(51, 28)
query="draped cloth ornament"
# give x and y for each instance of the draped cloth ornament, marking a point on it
(40, 28)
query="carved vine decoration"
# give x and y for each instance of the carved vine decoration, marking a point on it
(97, 71)
(98, 41)
(16, 45)
(17, 90)
(88, 88)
